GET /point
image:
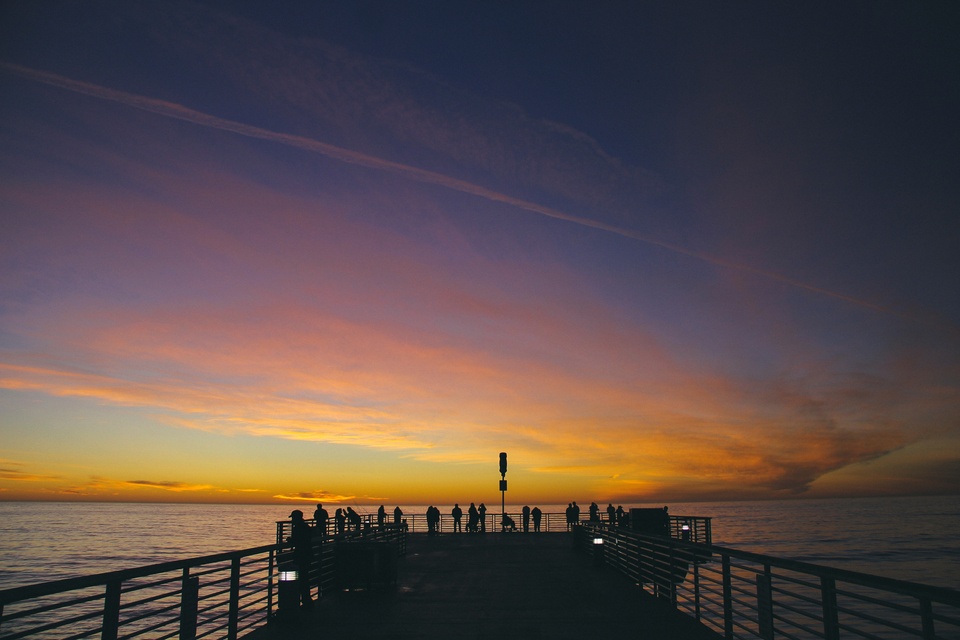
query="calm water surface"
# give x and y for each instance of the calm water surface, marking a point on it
(914, 539)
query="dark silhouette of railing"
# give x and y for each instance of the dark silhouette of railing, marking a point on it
(747, 595)
(223, 595)
(689, 528)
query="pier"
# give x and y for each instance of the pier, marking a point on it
(498, 585)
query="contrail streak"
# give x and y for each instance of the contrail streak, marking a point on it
(180, 112)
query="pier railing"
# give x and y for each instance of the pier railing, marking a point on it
(689, 528)
(745, 595)
(218, 596)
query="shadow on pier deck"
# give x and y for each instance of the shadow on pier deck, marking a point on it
(493, 586)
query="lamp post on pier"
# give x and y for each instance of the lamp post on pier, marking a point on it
(503, 485)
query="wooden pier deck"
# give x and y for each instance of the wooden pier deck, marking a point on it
(495, 585)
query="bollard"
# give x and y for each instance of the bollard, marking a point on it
(598, 552)
(288, 591)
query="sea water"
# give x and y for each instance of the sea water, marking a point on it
(916, 539)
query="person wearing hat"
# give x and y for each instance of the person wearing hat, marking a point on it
(301, 539)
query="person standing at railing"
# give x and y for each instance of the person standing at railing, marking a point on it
(620, 515)
(457, 514)
(301, 539)
(525, 518)
(611, 515)
(537, 514)
(381, 517)
(320, 518)
(473, 517)
(397, 515)
(432, 519)
(594, 512)
(482, 510)
(341, 521)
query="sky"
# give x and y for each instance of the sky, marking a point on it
(350, 251)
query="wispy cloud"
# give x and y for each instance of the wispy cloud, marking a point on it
(180, 112)
(19, 475)
(316, 496)
(168, 485)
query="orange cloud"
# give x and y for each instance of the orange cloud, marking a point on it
(167, 485)
(316, 496)
(7, 473)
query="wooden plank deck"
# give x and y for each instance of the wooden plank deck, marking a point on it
(495, 585)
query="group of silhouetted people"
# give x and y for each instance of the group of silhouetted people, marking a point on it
(615, 517)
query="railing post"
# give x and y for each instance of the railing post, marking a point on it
(765, 603)
(111, 611)
(828, 596)
(189, 598)
(234, 598)
(671, 573)
(270, 575)
(727, 599)
(696, 587)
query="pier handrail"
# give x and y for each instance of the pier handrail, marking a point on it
(219, 595)
(742, 594)
(16, 594)
(691, 528)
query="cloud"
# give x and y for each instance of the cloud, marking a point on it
(316, 496)
(17, 475)
(180, 112)
(168, 485)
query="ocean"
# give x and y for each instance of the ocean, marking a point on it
(916, 539)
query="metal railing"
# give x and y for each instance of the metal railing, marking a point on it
(689, 528)
(752, 596)
(218, 596)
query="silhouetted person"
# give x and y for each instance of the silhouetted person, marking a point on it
(320, 518)
(432, 520)
(397, 514)
(340, 520)
(526, 519)
(473, 519)
(354, 518)
(537, 514)
(457, 514)
(569, 514)
(611, 514)
(507, 524)
(576, 513)
(594, 512)
(300, 538)
(482, 510)
(381, 516)
(620, 515)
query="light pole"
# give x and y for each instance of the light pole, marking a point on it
(503, 486)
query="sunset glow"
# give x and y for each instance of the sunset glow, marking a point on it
(258, 258)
